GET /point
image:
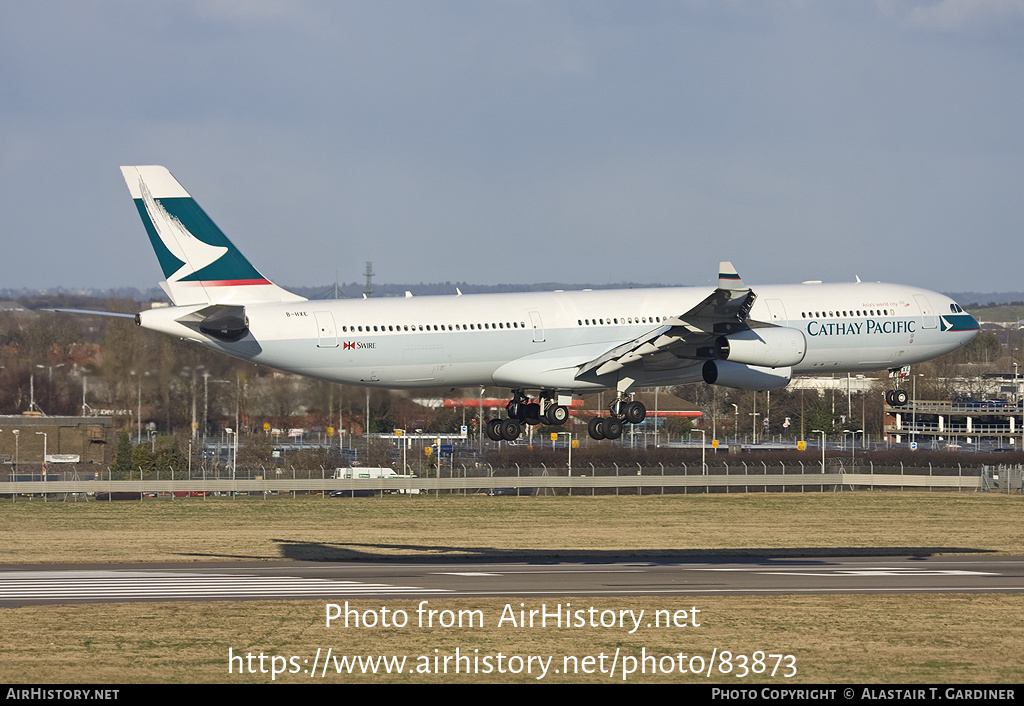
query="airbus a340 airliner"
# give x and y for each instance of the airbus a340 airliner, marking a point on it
(548, 345)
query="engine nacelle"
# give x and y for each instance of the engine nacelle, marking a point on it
(745, 377)
(775, 347)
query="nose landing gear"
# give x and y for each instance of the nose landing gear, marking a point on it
(897, 397)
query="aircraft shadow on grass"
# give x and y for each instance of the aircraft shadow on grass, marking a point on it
(342, 551)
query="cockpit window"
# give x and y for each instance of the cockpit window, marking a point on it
(955, 308)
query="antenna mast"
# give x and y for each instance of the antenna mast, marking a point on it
(368, 290)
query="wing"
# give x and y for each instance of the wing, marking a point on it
(686, 339)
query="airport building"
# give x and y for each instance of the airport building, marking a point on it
(69, 444)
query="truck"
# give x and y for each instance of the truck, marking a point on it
(369, 472)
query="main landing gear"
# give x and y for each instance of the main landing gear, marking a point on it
(897, 397)
(623, 411)
(521, 410)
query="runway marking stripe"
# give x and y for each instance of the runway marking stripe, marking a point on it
(844, 572)
(69, 585)
(882, 572)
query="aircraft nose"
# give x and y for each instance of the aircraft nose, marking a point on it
(968, 326)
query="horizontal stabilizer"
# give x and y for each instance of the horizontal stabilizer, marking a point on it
(94, 313)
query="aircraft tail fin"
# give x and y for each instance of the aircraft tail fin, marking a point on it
(728, 277)
(200, 265)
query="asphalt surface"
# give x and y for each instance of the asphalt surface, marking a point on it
(52, 584)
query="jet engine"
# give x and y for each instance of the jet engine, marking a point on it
(745, 377)
(770, 347)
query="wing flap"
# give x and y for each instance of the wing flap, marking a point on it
(688, 338)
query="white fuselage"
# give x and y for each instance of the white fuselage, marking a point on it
(540, 340)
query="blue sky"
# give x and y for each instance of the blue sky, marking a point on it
(519, 141)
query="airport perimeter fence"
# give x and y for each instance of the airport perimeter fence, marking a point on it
(762, 477)
(1003, 479)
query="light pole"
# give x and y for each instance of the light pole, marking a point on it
(138, 409)
(85, 384)
(853, 444)
(17, 434)
(913, 422)
(49, 382)
(480, 421)
(568, 434)
(206, 404)
(1016, 398)
(714, 411)
(818, 431)
(703, 452)
(32, 406)
(44, 458)
(655, 420)
(1016, 390)
(233, 433)
(195, 425)
(753, 424)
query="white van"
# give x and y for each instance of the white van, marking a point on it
(372, 472)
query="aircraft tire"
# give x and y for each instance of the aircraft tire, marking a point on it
(596, 428)
(557, 415)
(635, 412)
(888, 398)
(612, 428)
(510, 429)
(900, 398)
(494, 429)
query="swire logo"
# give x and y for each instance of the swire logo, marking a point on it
(349, 344)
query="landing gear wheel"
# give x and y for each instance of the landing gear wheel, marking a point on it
(596, 428)
(888, 398)
(510, 429)
(635, 412)
(900, 398)
(557, 415)
(494, 429)
(612, 428)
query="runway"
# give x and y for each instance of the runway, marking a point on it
(25, 585)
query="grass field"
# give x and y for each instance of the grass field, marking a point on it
(869, 639)
(1006, 312)
(833, 639)
(222, 529)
